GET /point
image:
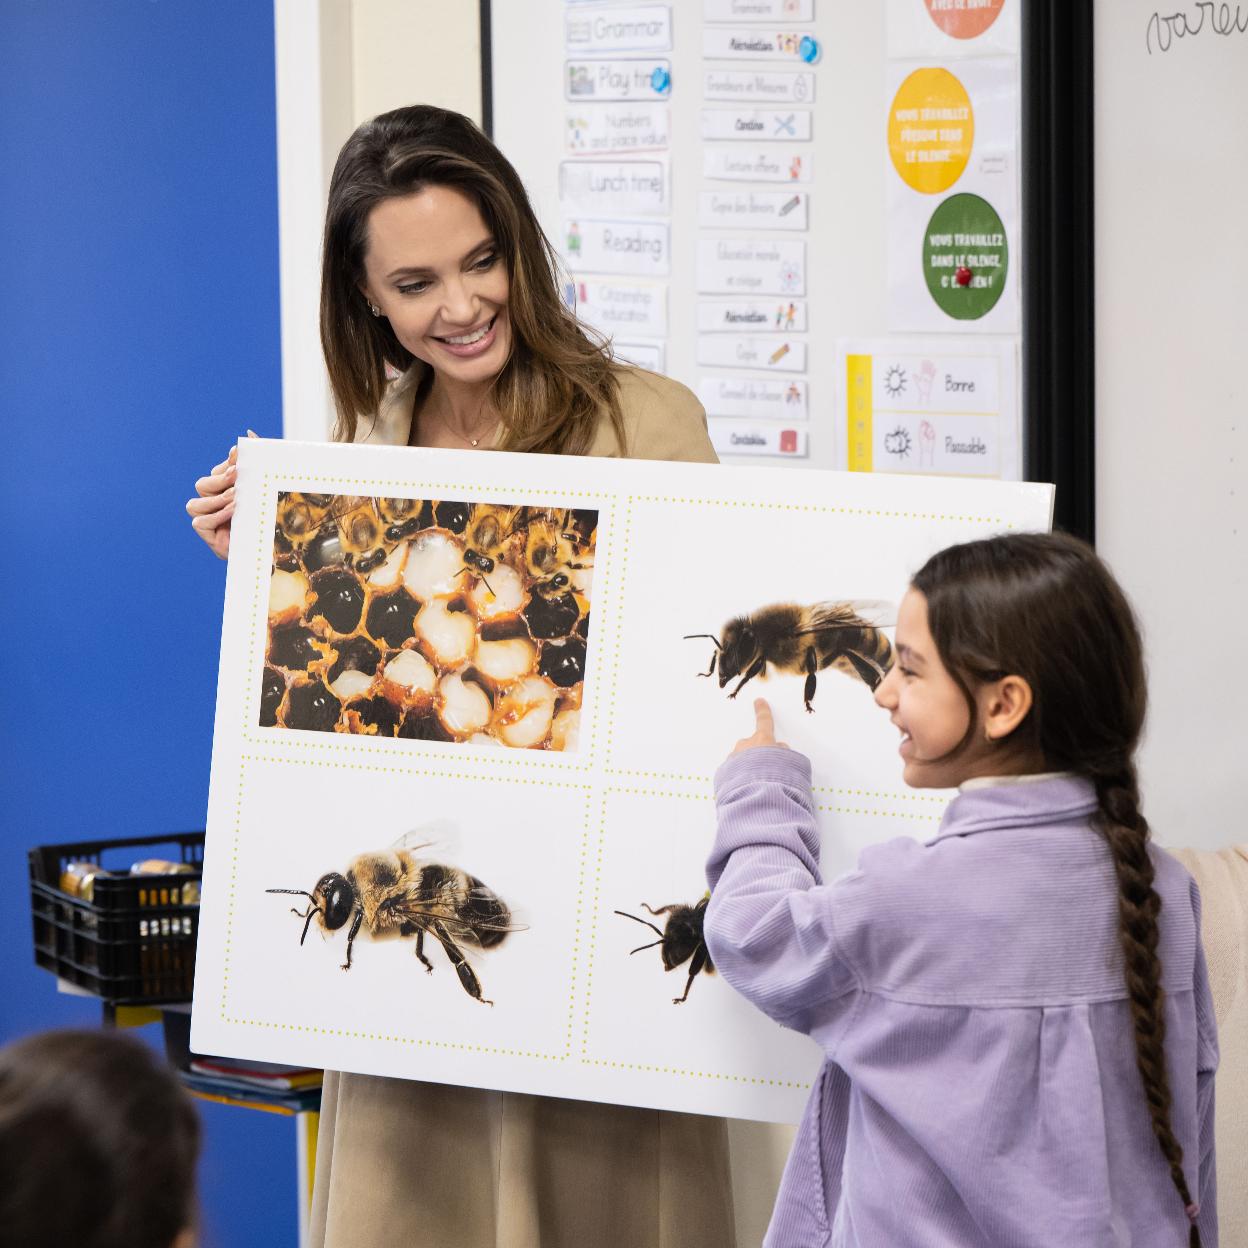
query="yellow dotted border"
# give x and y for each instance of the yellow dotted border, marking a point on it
(585, 1058)
(817, 508)
(350, 744)
(362, 1035)
(585, 765)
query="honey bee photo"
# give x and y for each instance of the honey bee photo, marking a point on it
(680, 939)
(428, 619)
(393, 892)
(786, 637)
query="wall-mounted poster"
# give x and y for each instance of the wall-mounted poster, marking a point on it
(934, 404)
(953, 28)
(467, 718)
(953, 189)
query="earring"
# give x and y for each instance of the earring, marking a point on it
(373, 308)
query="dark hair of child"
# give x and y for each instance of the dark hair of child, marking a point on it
(1044, 607)
(98, 1144)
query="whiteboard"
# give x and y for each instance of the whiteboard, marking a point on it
(1171, 184)
(847, 243)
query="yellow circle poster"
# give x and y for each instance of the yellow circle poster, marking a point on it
(930, 130)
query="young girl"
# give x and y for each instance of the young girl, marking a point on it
(1016, 1019)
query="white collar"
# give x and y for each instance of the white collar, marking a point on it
(988, 782)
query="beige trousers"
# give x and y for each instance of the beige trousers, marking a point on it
(433, 1166)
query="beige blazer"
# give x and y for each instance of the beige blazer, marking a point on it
(662, 419)
(1222, 876)
(429, 1165)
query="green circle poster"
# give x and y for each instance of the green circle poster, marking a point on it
(965, 257)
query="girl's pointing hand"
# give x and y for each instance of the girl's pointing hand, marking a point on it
(764, 729)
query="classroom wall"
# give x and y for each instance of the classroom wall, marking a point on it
(139, 322)
(1171, 391)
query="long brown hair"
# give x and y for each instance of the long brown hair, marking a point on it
(1044, 607)
(98, 1144)
(557, 385)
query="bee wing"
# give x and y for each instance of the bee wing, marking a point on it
(420, 906)
(851, 613)
(441, 833)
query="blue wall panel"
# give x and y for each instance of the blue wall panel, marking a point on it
(138, 338)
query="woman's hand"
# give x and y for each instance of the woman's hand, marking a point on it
(213, 507)
(764, 729)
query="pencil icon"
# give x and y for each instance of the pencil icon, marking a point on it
(779, 353)
(788, 206)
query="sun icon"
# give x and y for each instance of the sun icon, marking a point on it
(895, 380)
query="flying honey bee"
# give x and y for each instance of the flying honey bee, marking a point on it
(394, 891)
(680, 939)
(792, 638)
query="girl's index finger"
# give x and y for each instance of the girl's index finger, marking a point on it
(764, 721)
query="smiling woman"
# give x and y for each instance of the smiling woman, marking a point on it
(442, 325)
(435, 264)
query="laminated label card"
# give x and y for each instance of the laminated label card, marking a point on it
(468, 712)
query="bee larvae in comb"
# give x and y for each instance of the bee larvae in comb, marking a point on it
(500, 592)
(525, 713)
(446, 636)
(464, 707)
(388, 573)
(434, 566)
(409, 678)
(504, 662)
(288, 596)
(353, 671)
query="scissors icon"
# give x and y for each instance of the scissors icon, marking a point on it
(787, 125)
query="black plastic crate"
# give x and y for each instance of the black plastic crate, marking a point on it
(133, 943)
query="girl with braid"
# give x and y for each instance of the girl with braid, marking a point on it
(1019, 1039)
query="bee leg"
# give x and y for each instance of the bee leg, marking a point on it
(753, 670)
(812, 666)
(420, 951)
(699, 961)
(355, 927)
(467, 976)
(710, 671)
(871, 675)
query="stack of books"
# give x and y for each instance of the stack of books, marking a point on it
(259, 1085)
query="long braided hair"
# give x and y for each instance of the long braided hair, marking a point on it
(1044, 607)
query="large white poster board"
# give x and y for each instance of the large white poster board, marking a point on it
(499, 684)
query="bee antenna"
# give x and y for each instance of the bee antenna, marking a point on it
(294, 892)
(639, 948)
(701, 637)
(625, 915)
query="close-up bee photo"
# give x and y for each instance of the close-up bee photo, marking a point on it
(680, 939)
(431, 620)
(846, 636)
(393, 892)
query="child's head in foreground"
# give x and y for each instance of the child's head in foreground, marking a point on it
(98, 1145)
(1016, 654)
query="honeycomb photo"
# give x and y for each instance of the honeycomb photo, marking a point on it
(427, 619)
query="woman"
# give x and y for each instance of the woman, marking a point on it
(435, 267)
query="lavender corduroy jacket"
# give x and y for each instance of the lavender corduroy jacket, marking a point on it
(980, 1087)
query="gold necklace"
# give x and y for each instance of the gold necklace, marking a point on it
(473, 442)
